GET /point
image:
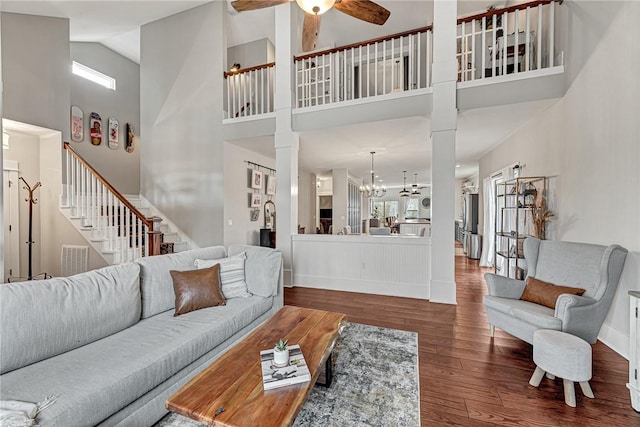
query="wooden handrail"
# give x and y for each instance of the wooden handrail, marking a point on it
(147, 221)
(363, 43)
(246, 70)
(509, 9)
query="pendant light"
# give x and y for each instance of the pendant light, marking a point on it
(404, 192)
(415, 190)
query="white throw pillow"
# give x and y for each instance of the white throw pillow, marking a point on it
(231, 274)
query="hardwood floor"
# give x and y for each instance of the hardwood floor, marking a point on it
(469, 379)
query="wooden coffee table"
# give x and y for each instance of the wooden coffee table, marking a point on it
(230, 391)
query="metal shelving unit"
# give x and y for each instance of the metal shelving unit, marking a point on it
(516, 202)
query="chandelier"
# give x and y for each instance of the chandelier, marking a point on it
(404, 192)
(373, 191)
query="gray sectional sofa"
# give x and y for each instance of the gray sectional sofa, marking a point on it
(106, 343)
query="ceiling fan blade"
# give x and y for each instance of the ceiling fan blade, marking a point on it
(310, 30)
(365, 10)
(244, 5)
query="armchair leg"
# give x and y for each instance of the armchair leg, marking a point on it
(492, 331)
(551, 376)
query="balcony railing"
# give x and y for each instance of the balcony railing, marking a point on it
(250, 91)
(513, 40)
(396, 63)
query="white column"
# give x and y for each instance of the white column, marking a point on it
(286, 141)
(443, 138)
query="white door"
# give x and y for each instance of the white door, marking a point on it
(11, 220)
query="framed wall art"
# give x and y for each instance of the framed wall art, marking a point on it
(271, 185)
(256, 201)
(256, 179)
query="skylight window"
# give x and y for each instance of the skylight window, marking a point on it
(93, 75)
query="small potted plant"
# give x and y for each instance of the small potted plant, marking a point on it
(281, 353)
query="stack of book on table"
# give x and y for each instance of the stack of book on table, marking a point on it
(294, 373)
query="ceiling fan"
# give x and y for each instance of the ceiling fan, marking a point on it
(365, 10)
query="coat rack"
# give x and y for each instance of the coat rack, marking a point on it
(32, 201)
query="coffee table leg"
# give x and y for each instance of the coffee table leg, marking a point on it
(328, 372)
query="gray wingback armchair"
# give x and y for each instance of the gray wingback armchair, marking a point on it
(594, 268)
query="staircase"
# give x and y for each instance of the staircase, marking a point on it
(121, 229)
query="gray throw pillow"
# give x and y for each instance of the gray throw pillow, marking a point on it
(231, 274)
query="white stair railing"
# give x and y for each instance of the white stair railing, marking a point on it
(109, 219)
(396, 63)
(250, 91)
(512, 40)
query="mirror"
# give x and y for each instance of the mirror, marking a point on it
(270, 215)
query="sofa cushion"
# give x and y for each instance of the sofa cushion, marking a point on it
(540, 292)
(232, 278)
(262, 268)
(94, 381)
(156, 285)
(196, 289)
(90, 305)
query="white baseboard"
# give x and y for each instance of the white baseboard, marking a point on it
(615, 340)
(406, 290)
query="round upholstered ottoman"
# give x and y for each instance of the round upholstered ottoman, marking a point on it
(563, 355)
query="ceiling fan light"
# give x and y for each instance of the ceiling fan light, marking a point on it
(315, 7)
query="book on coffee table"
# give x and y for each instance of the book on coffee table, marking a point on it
(294, 373)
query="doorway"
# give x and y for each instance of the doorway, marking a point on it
(11, 219)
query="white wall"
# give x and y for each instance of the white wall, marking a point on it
(306, 201)
(181, 64)
(588, 144)
(36, 70)
(120, 168)
(251, 54)
(236, 195)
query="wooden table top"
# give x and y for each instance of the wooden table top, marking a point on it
(234, 381)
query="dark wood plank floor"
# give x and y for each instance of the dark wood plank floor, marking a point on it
(469, 379)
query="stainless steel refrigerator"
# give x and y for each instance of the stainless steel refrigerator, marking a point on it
(472, 242)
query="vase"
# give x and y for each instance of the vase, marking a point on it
(280, 357)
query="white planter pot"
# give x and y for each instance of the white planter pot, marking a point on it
(281, 357)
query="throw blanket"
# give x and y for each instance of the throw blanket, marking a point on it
(14, 413)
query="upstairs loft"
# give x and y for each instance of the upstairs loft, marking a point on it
(503, 56)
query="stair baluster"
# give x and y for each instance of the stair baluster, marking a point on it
(123, 229)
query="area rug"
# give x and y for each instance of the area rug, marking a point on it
(375, 383)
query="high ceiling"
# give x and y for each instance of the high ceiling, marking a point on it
(400, 144)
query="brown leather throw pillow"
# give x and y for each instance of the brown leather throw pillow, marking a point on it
(544, 293)
(196, 289)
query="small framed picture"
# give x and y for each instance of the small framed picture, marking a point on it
(271, 185)
(256, 201)
(256, 179)
(255, 214)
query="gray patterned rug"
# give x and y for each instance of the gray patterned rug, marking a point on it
(375, 383)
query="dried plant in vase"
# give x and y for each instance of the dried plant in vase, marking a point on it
(540, 215)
